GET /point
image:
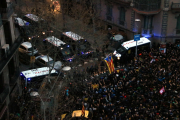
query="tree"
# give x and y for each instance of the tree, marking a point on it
(76, 17)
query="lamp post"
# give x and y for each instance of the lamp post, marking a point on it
(137, 20)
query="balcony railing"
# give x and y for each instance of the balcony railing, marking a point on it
(5, 59)
(147, 31)
(0, 21)
(175, 5)
(4, 94)
(122, 23)
(7, 12)
(147, 7)
(109, 18)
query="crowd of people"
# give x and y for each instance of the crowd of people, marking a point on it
(134, 93)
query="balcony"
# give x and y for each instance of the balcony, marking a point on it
(7, 12)
(4, 94)
(175, 7)
(146, 32)
(0, 21)
(147, 7)
(125, 3)
(6, 58)
(14, 78)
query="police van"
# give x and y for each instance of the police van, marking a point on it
(127, 50)
(33, 19)
(64, 50)
(80, 45)
(37, 22)
(37, 74)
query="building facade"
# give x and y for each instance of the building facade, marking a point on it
(155, 19)
(9, 61)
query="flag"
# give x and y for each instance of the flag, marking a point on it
(109, 62)
(83, 110)
(162, 90)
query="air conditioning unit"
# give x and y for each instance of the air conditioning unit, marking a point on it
(5, 49)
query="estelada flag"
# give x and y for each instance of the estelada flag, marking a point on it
(110, 64)
(162, 90)
(83, 111)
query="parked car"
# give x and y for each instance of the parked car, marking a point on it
(47, 61)
(27, 48)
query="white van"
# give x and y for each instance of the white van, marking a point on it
(27, 48)
(65, 51)
(126, 51)
(36, 74)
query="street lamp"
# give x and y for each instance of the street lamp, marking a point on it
(137, 20)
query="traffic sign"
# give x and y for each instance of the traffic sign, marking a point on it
(137, 37)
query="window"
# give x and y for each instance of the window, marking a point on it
(178, 25)
(122, 16)
(147, 22)
(22, 47)
(109, 13)
(42, 61)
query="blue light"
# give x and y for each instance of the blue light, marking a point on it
(21, 74)
(82, 53)
(85, 40)
(27, 23)
(67, 45)
(146, 35)
(29, 79)
(70, 60)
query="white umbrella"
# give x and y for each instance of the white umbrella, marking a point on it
(67, 68)
(57, 65)
(34, 94)
(118, 37)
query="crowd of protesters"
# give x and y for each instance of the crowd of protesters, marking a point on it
(134, 93)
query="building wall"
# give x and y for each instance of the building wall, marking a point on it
(128, 18)
(172, 21)
(157, 23)
(2, 36)
(12, 28)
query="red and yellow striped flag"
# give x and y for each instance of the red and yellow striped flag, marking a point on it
(110, 64)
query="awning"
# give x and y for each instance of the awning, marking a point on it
(147, 12)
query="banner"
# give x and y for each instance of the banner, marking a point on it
(162, 90)
(110, 64)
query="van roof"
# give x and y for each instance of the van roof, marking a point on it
(26, 44)
(72, 35)
(132, 43)
(21, 22)
(37, 72)
(33, 17)
(55, 41)
(45, 58)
